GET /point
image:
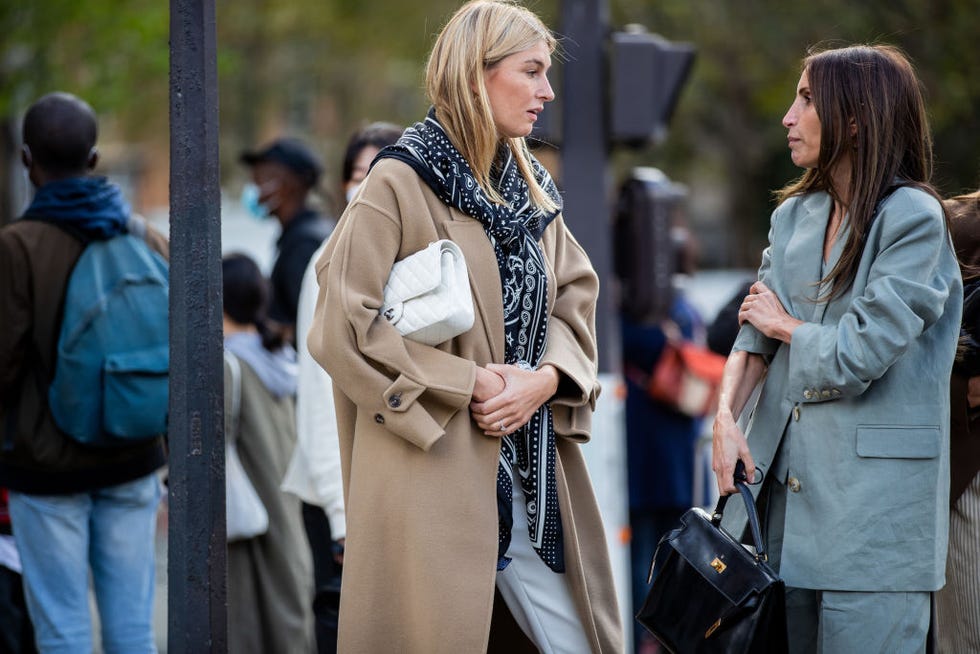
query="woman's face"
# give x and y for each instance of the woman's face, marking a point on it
(804, 127)
(518, 87)
(362, 164)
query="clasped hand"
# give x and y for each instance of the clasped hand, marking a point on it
(763, 310)
(506, 396)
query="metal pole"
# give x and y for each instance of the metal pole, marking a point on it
(197, 569)
(585, 150)
(585, 154)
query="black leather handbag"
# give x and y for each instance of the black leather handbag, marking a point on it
(710, 593)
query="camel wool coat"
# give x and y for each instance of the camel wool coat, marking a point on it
(419, 475)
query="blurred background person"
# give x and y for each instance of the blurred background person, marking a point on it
(362, 148)
(284, 173)
(16, 632)
(958, 603)
(83, 517)
(314, 470)
(660, 440)
(724, 328)
(270, 577)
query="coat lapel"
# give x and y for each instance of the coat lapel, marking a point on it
(803, 254)
(481, 263)
(835, 251)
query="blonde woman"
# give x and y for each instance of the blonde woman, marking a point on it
(462, 468)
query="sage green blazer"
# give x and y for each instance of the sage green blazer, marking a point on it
(858, 403)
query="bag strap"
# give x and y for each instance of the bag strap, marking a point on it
(235, 368)
(741, 483)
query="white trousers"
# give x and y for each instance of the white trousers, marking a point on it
(539, 598)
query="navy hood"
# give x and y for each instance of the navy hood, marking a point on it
(93, 205)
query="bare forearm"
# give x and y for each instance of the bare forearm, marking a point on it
(743, 371)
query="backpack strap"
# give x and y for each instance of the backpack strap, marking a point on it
(46, 375)
(83, 238)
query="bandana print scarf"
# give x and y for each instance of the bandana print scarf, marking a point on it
(527, 455)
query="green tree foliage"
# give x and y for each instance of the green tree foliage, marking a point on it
(113, 53)
(729, 118)
(320, 68)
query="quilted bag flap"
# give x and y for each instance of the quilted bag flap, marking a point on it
(416, 274)
(419, 274)
(723, 562)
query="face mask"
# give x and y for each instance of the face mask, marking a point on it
(250, 200)
(352, 191)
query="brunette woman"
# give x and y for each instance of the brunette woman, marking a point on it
(851, 329)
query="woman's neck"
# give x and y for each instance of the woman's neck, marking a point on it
(840, 179)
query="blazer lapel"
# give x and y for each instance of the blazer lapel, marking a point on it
(481, 263)
(835, 251)
(803, 254)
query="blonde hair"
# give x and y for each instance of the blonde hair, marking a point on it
(478, 36)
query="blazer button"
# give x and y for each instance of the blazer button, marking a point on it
(825, 394)
(395, 400)
(807, 394)
(793, 484)
(378, 418)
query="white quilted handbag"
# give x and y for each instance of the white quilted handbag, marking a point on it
(427, 297)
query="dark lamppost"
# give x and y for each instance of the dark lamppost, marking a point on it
(197, 567)
(630, 108)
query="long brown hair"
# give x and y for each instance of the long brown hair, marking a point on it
(874, 90)
(478, 36)
(964, 212)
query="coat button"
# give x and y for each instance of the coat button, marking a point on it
(796, 413)
(395, 400)
(825, 394)
(378, 418)
(807, 394)
(793, 484)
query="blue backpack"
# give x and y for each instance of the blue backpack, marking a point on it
(110, 385)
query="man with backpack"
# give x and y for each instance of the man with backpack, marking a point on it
(81, 389)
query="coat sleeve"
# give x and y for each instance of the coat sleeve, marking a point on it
(906, 292)
(16, 307)
(571, 336)
(410, 388)
(750, 339)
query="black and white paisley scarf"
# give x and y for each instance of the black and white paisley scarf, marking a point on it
(514, 230)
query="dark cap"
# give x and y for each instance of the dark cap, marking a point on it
(291, 153)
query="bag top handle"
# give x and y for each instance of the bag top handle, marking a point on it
(741, 483)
